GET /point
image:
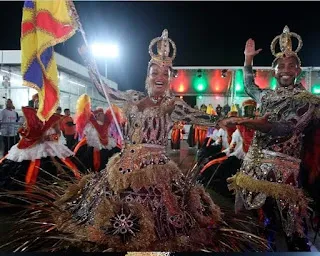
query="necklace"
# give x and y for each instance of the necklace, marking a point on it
(155, 100)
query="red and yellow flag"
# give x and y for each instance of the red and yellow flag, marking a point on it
(44, 24)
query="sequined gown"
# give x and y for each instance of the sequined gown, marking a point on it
(142, 201)
(271, 166)
(142, 196)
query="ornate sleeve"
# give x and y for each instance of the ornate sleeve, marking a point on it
(250, 87)
(116, 96)
(183, 112)
(308, 106)
(281, 129)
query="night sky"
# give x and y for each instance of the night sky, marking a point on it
(206, 33)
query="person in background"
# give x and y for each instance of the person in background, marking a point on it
(226, 109)
(98, 142)
(34, 101)
(59, 111)
(17, 126)
(68, 128)
(219, 110)
(8, 119)
(210, 110)
(203, 108)
(239, 110)
(40, 155)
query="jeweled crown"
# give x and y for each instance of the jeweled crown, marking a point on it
(162, 57)
(285, 43)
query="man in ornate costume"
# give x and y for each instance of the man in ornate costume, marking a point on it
(142, 201)
(97, 144)
(270, 171)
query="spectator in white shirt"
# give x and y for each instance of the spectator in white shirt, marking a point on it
(8, 120)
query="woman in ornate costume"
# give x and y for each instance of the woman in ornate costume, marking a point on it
(97, 143)
(39, 155)
(142, 201)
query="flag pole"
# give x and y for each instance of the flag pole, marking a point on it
(80, 28)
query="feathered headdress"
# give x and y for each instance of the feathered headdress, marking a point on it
(83, 113)
(118, 113)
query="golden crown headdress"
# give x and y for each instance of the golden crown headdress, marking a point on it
(285, 43)
(162, 57)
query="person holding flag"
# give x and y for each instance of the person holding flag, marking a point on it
(44, 24)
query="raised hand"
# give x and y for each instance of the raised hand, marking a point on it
(250, 49)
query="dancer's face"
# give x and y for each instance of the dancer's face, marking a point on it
(286, 71)
(100, 117)
(249, 111)
(158, 80)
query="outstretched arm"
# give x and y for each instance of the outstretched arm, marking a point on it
(116, 96)
(183, 112)
(273, 128)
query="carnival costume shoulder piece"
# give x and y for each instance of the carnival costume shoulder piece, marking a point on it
(142, 201)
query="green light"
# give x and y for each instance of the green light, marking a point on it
(301, 76)
(200, 87)
(273, 83)
(316, 89)
(200, 83)
(239, 80)
(199, 97)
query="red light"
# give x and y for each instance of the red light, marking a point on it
(181, 88)
(181, 97)
(217, 83)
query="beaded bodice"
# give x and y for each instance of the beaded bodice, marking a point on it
(153, 124)
(150, 126)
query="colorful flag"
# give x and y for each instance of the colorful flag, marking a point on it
(44, 24)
